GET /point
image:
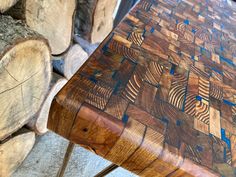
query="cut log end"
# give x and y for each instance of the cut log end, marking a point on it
(39, 123)
(14, 151)
(25, 75)
(51, 18)
(99, 19)
(6, 4)
(68, 64)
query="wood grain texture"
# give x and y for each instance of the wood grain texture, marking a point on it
(129, 141)
(99, 133)
(6, 4)
(40, 120)
(67, 64)
(94, 19)
(166, 74)
(51, 18)
(14, 150)
(25, 74)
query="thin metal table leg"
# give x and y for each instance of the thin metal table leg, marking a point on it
(107, 170)
(66, 159)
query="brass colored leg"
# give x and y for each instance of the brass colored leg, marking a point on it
(107, 170)
(66, 159)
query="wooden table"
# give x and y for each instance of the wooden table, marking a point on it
(158, 97)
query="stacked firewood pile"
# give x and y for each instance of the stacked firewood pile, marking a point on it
(42, 44)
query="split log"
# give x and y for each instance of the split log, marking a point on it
(14, 150)
(25, 74)
(39, 123)
(6, 4)
(94, 19)
(51, 18)
(68, 64)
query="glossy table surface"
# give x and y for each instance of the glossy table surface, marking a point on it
(158, 97)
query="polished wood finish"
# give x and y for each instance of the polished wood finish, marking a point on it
(158, 96)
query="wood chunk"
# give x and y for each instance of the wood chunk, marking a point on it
(204, 88)
(99, 95)
(116, 106)
(51, 18)
(233, 149)
(201, 126)
(96, 130)
(130, 139)
(134, 84)
(190, 104)
(154, 72)
(39, 123)
(68, 64)
(14, 150)
(123, 50)
(150, 148)
(158, 168)
(165, 84)
(146, 97)
(94, 19)
(202, 113)
(215, 127)
(77, 94)
(25, 74)
(145, 118)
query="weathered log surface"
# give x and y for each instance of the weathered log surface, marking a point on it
(69, 63)
(39, 122)
(87, 47)
(6, 4)
(158, 96)
(14, 150)
(94, 20)
(25, 73)
(51, 18)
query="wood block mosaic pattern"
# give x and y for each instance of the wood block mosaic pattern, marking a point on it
(158, 97)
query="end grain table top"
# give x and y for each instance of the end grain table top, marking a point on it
(158, 97)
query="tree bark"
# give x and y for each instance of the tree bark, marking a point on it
(14, 150)
(25, 74)
(68, 64)
(51, 18)
(39, 123)
(6, 4)
(94, 19)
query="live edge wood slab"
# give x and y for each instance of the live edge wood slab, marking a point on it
(158, 97)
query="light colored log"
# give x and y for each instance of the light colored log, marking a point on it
(14, 150)
(94, 19)
(88, 47)
(51, 18)
(6, 4)
(25, 74)
(39, 123)
(68, 64)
